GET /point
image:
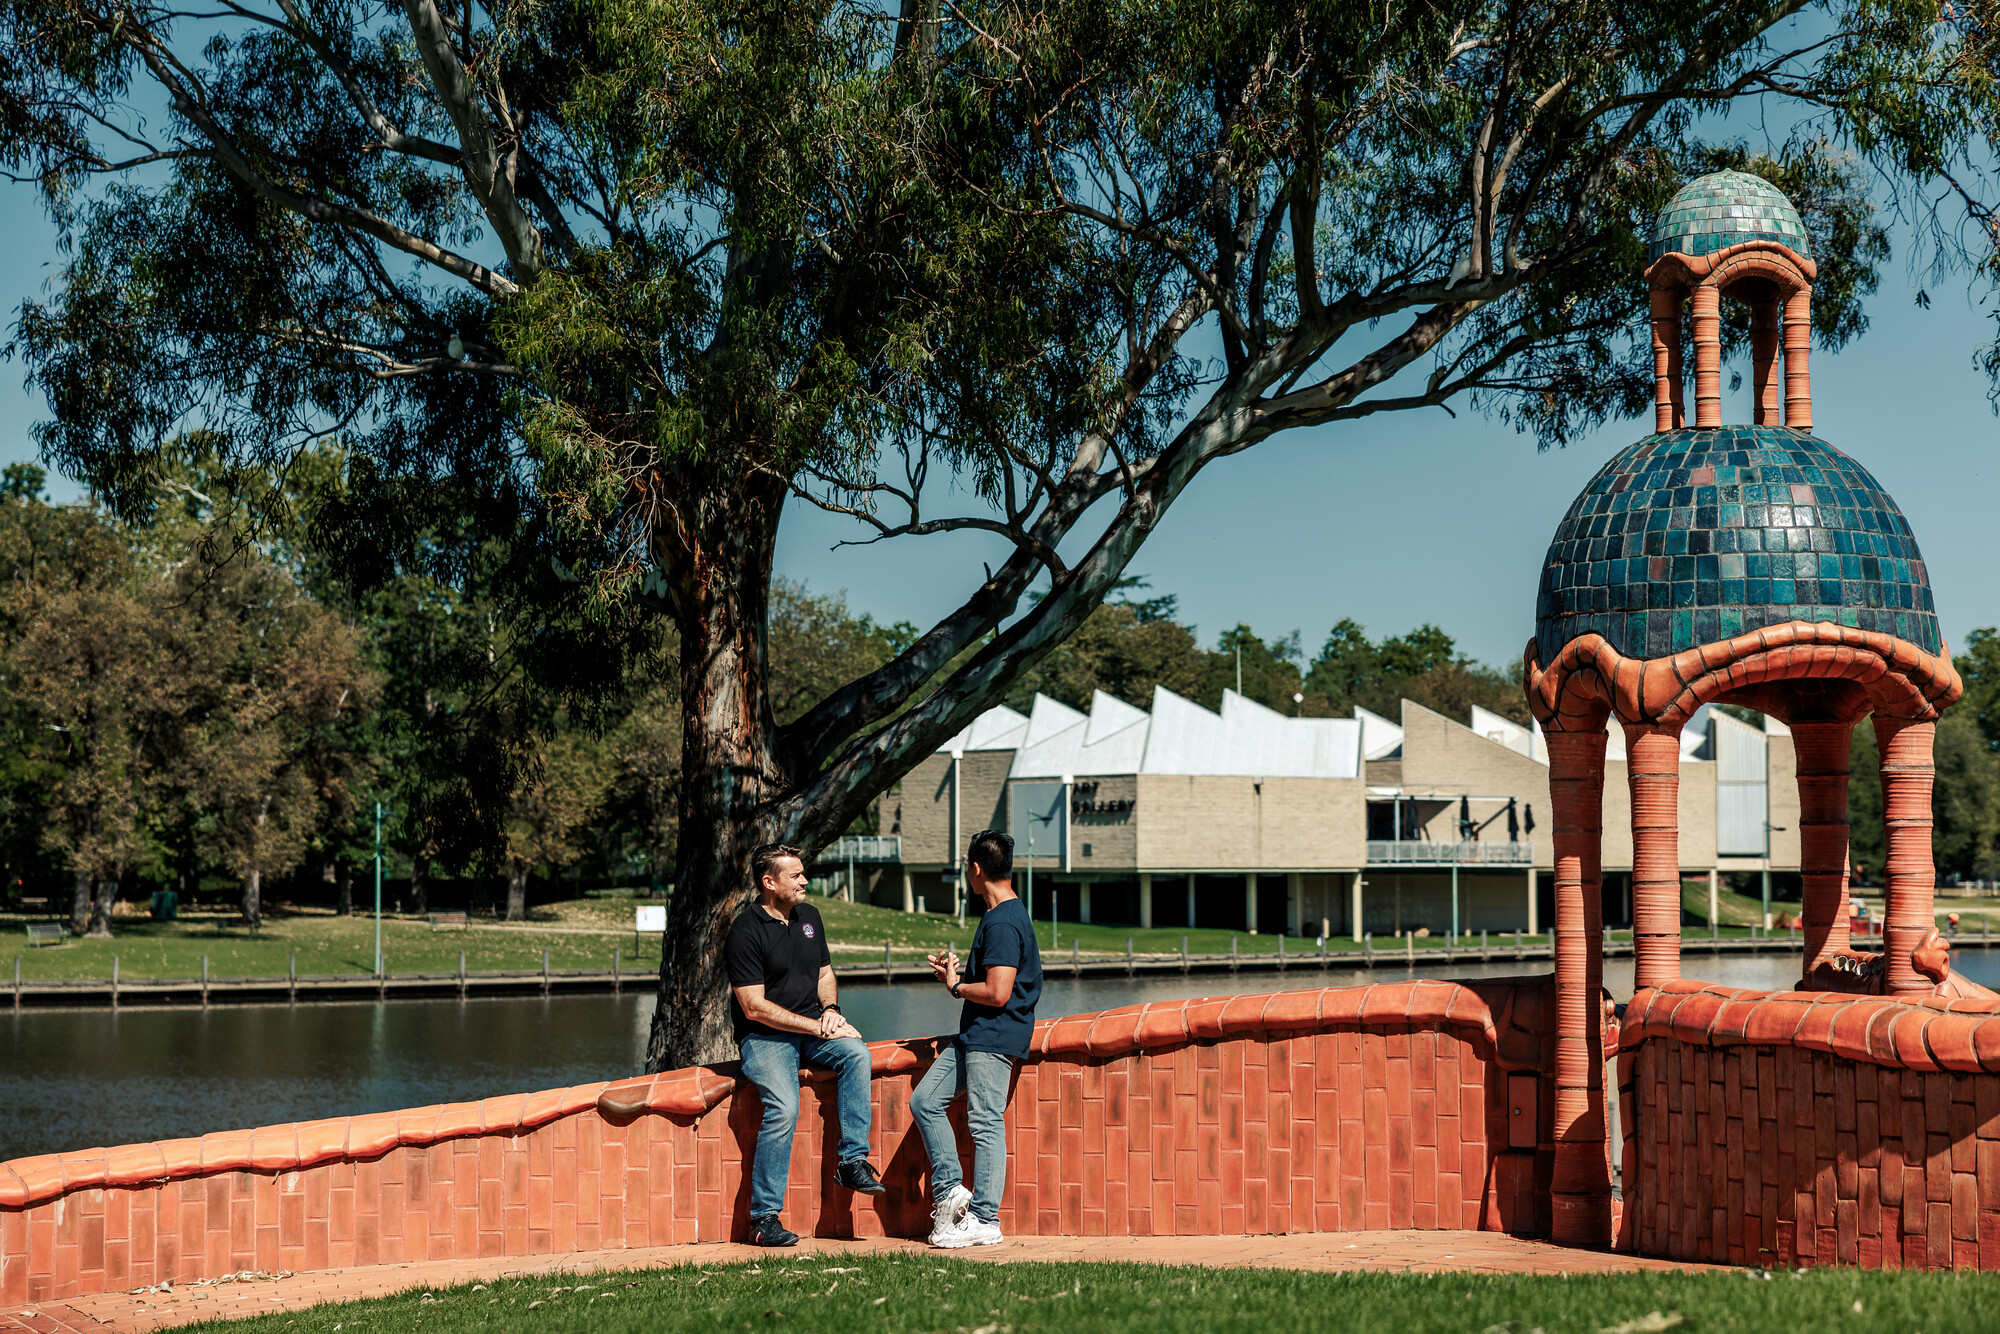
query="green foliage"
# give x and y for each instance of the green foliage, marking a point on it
(1423, 666)
(1128, 648)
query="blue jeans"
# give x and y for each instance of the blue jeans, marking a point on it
(771, 1061)
(985, 1078)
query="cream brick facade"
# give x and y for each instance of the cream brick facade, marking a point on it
(1170, 838)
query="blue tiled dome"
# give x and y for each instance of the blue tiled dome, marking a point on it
(1723, 209)
(1694, 536)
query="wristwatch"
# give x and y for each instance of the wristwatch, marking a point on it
(835, 1007)
(953, 988)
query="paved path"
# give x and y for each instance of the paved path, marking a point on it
(1321, 1252)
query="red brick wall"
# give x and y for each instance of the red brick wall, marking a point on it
(1795, 1129)
(1417, 1105)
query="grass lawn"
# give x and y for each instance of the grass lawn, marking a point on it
(582, 933)
(831, 1294)
(325, 944)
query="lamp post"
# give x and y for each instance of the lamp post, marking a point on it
(378, 889)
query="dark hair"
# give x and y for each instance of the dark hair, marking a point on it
(992, 851)
(764, 861)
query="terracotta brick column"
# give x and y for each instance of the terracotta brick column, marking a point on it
(1798, 346)
(1666, 358)
(1822, 750)
(1581, 1191)
(1653, 768)
(1907, 776)
(1768, 411)
(1707, 304)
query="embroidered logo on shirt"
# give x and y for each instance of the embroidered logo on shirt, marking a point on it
(807, 927)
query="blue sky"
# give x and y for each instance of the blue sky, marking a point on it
(1403, 518)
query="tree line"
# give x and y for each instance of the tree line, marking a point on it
(188, 698)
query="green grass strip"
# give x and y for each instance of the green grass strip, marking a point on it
(922, 1294)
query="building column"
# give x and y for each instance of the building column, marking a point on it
(1295, 903)
(1766, 410)
(1146, 900)
(1580, 1192)
(909, 891)
(1653, 767)
(1907, 778)
(1707, 303)
(1822, 751)
(1190, 902)
(1714, 899)
(1534, 901)
(1798, 349)
(1666, 358)
(1355, 920)
(1250, 902)
(1083, 902)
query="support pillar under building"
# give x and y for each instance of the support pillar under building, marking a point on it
(1146, 900)
(1653, 769)
(1911, 876)
(1580, 1204)
(1822, 751)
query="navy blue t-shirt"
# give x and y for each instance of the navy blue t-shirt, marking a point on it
(1005, 939)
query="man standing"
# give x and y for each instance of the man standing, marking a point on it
(999, 988)
(785, 1004)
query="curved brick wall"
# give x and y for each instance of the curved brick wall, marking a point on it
(1417, 1104)
(1791, 1128)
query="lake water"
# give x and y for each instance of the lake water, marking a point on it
(72, 1079)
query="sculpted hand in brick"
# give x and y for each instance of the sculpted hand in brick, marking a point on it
(1859, 973)
(787, 1012)
(999, 988)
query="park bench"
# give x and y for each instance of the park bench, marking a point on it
(442, 921)
(47, 933)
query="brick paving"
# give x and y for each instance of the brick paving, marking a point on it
(1320, 1252)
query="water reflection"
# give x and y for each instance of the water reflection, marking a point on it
(77, 1078)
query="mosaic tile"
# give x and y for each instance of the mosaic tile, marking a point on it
(1643, 561)
(1724, 209)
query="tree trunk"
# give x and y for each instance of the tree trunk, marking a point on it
(100, 906)
(517, 892)
(420, 886)
(730, 777)
(253, 898)
(343, 879)
(80, 895)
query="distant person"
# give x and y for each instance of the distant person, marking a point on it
(785, 1004)
(999, 987)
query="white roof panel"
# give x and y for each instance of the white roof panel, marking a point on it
(1380, 738)
(999, 728)
(1109, 714)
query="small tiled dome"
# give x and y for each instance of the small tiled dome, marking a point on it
(1690, 537)
(1723, 209)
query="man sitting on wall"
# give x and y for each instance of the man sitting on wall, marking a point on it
(785, 1004)
(999, 988)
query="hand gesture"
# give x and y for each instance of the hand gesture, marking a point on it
(831, 1024)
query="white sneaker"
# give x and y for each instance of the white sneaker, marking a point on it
(969, 1232)
(950, 1211)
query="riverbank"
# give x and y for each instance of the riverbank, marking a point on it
(586, 946)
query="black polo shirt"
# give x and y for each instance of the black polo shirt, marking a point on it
(785, 956)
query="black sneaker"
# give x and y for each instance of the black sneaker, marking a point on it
(768, 1231)
(859, 1176)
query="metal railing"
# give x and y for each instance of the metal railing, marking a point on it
(1471, 853)
(864, 848)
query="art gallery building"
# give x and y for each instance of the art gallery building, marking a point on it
(1250, 820)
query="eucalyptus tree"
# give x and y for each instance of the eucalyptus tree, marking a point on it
(655, 269)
